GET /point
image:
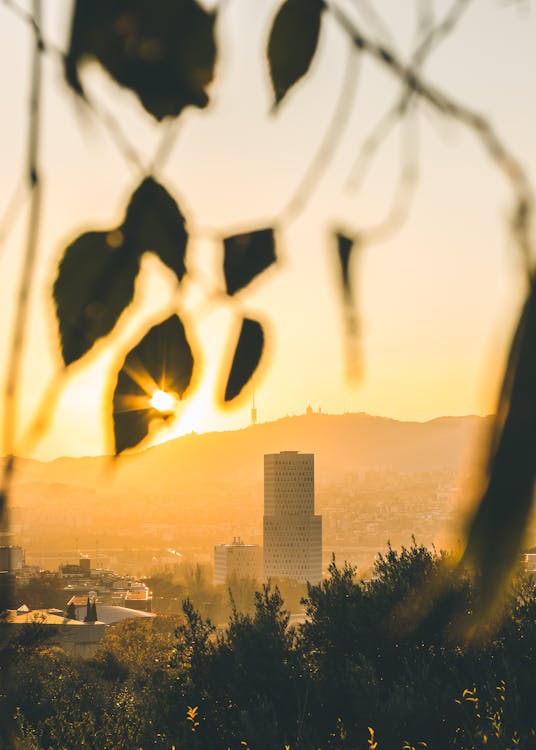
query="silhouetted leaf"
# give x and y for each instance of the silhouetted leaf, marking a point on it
(293, 42)
(345, 247)
(164, 50)
(95, 283)
(163, 361)
(246, 358)
(247, 255)
(97, 274)
(497, 529)
(154, 222)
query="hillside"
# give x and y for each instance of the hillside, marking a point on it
(373, 474)
(341, 443)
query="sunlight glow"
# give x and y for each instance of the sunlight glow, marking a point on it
(162, 401)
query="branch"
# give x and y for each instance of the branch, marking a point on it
(330, 141)
(376, 137)
(506, 162)
(21, 311)
(12, 212)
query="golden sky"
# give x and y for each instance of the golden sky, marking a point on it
(437, 300)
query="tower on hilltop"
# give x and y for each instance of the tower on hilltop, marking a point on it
(253, 411)
(292, 531)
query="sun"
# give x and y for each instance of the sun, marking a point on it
(163, 401)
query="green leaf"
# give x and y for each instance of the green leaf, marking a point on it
(293, 42)
(245, 256)
(154, 223)
(246, 358)
(95, 283)
(163, 50)
(161, 361)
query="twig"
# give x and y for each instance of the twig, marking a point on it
(408, 180)
(380, 131)
(436, 34)
(373, 18)
(44, 412)
(28, 17)
(166, 144)
(116, 133)
(12, 212)
(330, 141)
(370, 147)
(425, 17)
(16, 350)
(506, 162)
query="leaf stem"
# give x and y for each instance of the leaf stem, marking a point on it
(343, 109)
(506, 162)
(16, 350)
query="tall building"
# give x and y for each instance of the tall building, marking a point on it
(237, 560)
(292, 532)
(11, 559)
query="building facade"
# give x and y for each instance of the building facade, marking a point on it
(237, 560)
(11, 559)
(291, 530)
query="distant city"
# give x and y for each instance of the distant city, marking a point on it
(361, 510)
(376, 480)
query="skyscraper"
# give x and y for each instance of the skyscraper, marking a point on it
(292, 531)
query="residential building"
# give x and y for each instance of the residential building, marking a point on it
(76, 638)
(237, 560)
(11, 559)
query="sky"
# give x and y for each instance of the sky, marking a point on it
(437, 300)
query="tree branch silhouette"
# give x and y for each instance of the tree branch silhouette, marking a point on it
(14, 362)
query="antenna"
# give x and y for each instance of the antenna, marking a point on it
(253, 410)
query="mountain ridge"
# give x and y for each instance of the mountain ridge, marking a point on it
(341, 443)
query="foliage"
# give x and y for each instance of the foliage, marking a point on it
(341, 679)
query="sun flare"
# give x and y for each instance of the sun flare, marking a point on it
(163, 401)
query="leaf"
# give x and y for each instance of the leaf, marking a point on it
(345, 247)
(163, 50)
(162, 361)
(245, 256)
(498, 527)
(97, 273)
(154, 222)
(293, 42)
(246, 358)
(95, 283)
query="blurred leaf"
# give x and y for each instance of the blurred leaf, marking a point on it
(247, 255)
(155, 223)
(293, 42)
(163, 361)
(95, 283)
(98, 270)
(498, 527)
(164, 50)
(345, 247)
(246, 358)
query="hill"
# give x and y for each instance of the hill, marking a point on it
(376, 479)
